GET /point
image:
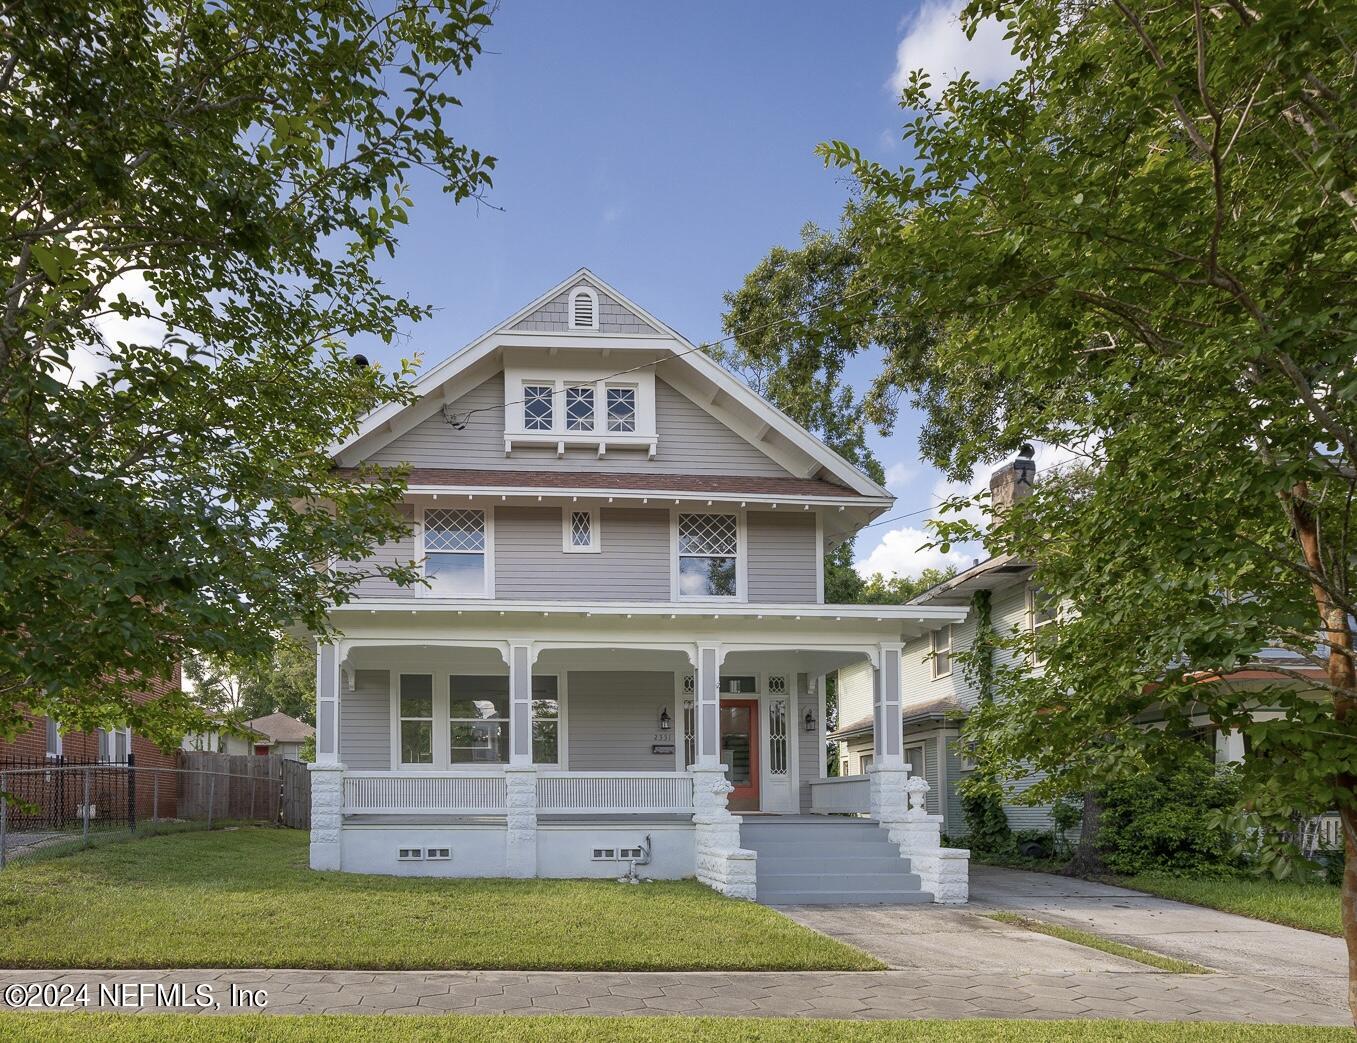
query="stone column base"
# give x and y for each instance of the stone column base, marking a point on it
(327, 815)
(944, 872)
(520, 837)
(722, 864)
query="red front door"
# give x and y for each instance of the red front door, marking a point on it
(740, 751)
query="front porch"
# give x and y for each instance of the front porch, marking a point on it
(551, 756)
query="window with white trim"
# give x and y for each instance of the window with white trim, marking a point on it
(539, 407)
(579, 407)
(455, 551)
(114, 746)
(583, 309)
(416, 718)
(1043, 611)
(621, 403)
(478, 720)
(777, 737)
(53, 737)
(941, 644)
(708, 555)
(580, 533)
(546, 720)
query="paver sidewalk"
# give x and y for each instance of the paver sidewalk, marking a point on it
(1143, 994)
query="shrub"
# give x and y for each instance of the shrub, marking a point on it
(986, 822)
(1163, 821)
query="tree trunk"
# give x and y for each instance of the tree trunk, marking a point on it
(1087, 860)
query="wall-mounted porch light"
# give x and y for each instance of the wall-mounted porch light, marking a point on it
(666, 722)
(810, 720)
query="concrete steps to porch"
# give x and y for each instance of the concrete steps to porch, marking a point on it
(810, 860)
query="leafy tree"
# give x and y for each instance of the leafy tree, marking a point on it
(898, 590)
(240, 689)
(1142, 247)
(216, 182)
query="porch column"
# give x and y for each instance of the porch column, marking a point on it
(327, 773)
(520, 776)
(707, 703)
(887, 774)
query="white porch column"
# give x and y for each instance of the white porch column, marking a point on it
(327, 773)
(722, 864)
(520, 777)
(887, 774)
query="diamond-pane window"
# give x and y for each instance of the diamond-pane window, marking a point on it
(621, 409)
(579, 408)
(538, 405)
(454, 551)
(777, 685)
(581, 529)
(707, 548)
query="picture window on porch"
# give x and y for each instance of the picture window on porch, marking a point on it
(416, 718)
(538, 406)
(941, 645)
(546, 721)
(478, 720)
(708, 549)
(579, 407)
(621, 409)
(454, 551)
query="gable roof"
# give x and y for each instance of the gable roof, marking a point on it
(687, 367)
(280, 727)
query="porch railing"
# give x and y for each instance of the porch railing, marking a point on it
(612, 793)
(420, 792)
(845, 795)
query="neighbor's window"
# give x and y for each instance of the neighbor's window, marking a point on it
(53, 738)
(115, 745)
(478, 720)
(621, 409)
(1043, 611)
(416, 718)
(579, 407)
(454, 551)
(546, 721)
(941, 641)
(538, 406)
(708, 545)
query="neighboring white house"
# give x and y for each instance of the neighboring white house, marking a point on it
(233, 739)
(624, 639)
(279, 735)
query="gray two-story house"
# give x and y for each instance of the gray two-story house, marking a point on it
(618, 658)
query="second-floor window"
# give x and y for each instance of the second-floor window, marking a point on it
(621, 409)
(941, 641)
(580, 533)
(708, 555)
(579, 407)
(539, 402)
(455, 551)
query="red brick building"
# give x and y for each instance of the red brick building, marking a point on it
(58, 795)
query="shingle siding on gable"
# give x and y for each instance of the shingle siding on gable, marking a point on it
(613, 317)
(691, 441)
(782, 556)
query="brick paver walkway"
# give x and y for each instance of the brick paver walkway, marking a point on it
(915, 993)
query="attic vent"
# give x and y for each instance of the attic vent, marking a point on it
(583, 310)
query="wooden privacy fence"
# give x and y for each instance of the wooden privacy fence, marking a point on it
(218, 786)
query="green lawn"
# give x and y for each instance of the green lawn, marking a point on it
(1312, 907)
(245, 898)
(462, 1028)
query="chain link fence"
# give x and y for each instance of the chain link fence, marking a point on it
(55, 804)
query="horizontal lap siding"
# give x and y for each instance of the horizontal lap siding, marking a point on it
(783, 562)
(809, 752)
(612, 719)
(397, 552)
(691, 441)
(530, 563)
(365, 722)
(854, 693)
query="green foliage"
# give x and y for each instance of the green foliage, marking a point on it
(987, 826)
(192, 206)
(899, 590)
(1162, 821)
(1065, 815)
(240, 689)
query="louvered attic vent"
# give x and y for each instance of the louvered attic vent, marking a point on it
(583, 311)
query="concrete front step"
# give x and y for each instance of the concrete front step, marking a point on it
(816, 864)
(845, 898)
(825, 849)
(837, 881)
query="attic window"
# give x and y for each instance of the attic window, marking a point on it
(583, 309)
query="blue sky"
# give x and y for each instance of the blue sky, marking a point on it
(667, 148)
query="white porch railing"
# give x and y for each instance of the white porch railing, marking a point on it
(845, 795)
(423, 792)
(613, 793)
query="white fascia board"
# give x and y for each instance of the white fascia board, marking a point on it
(661, 496)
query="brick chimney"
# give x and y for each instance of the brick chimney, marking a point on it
(1013, 482)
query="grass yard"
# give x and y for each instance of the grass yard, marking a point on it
(245, 898)
(1311, 907)
(463, 1028)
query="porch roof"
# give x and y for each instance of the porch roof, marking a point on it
(934, 709)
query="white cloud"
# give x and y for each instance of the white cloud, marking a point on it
(89, 361)
(901, 552)
(899, 475)
(936, 43)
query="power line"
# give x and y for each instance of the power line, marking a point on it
(458, 418)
